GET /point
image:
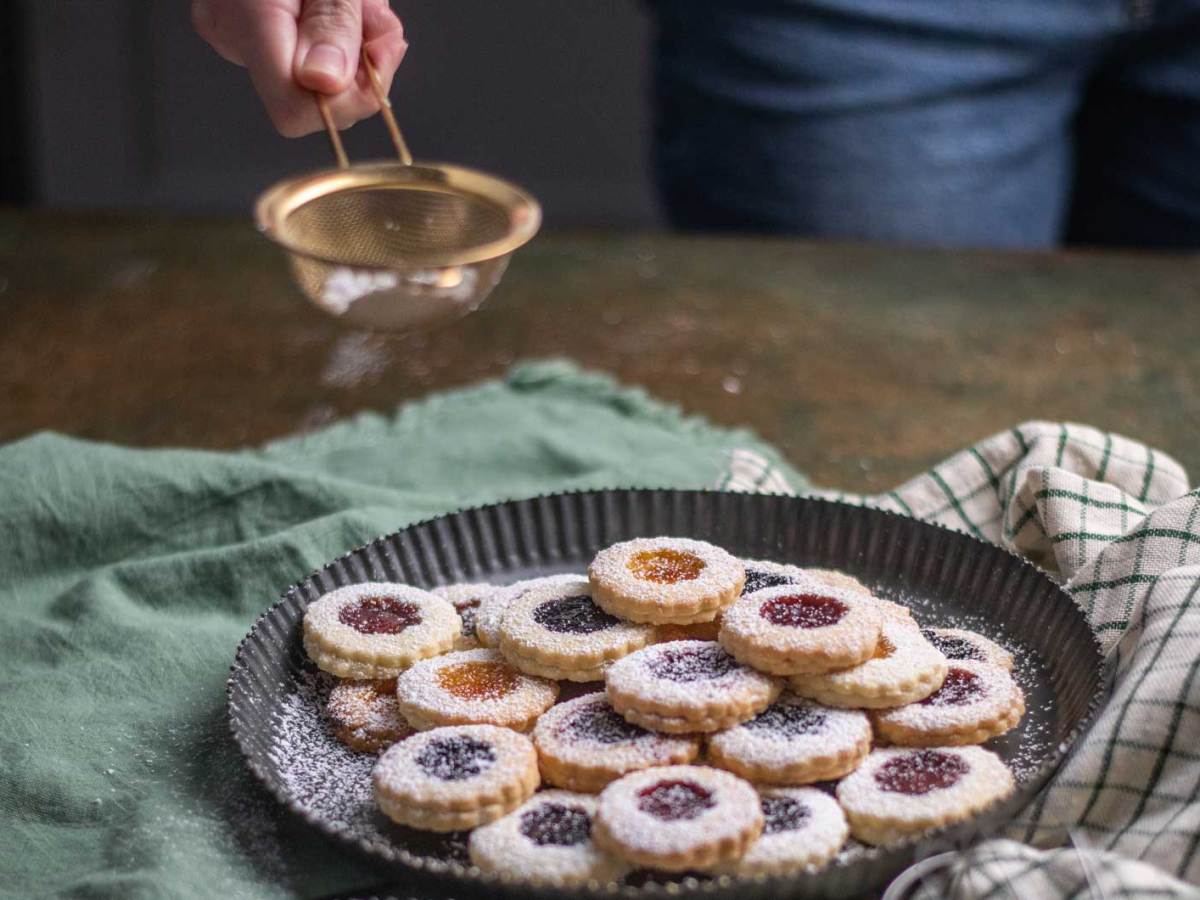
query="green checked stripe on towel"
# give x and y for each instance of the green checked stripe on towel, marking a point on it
(1115, 522)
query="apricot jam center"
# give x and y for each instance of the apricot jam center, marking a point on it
(884, 648)
(666, 566)
(803, 611)
(479, 680)
(379, 615)
(921, 772)
(675, 800)
(959, 688)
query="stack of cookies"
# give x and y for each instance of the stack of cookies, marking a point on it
(683, 709)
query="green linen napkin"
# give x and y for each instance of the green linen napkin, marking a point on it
(129, 576)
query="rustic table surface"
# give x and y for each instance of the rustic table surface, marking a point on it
(864, 364)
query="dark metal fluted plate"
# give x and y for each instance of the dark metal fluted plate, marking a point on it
(946, 577)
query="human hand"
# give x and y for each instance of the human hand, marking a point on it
(294, 47)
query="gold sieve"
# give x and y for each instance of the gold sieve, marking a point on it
(396, 245)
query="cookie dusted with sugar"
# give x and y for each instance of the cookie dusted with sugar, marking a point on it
(470, 687)
(491, 608)
(364, 715)
(801, 628)
(584, 744)
(898, 792)
(803, 828)
(975, 703)
(904, 669)
(793, 741)
(960, 644)
(678, 818)
(377, 630)
(546, 841)
(665, 580)
(687, 686)
(454, 778)
(465, 598)
(557, 631)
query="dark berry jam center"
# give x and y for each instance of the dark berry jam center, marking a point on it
(783, 814)
(556, 824)
(788, 720)
(953, 647)
(920, 772)
(692, 664)
(602, 724)
(573, 615)
(960, 688)
(379, 615)
(456, 758)
(757, 579)
(467, 611)
(803, 611)
(675, 800)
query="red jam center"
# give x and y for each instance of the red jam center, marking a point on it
(455, 758)
(666, 566)
(573, 615)
(675, 800)
(556, 824)
(783, 814)
(803, 611)
(692, 664)
(953, 647)
(960, 688)
(379, 615)
(920, 772)
(788, 720)
(601, 723)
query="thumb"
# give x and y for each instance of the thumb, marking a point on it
(327, 44)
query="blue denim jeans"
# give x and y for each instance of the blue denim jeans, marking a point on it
(1007, 123)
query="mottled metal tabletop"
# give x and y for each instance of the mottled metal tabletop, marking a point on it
(864, 364)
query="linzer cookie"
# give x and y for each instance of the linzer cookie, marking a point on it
(687, 686)
(556, 631)
(455, 778)
(899, 792)
(904, 669)
(975, 703)
(584, 744)
(957, 643)
(803, 828)
(546, 841)
(364, 715)
(465, 598)
(492, 607)
(793, 741)
(678, 818)
(377, 630)
(665, 581)
(801, 628)
(470, 687)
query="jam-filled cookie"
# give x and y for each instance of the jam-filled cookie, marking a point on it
(472, 687)
(904, 669)
(687, 686)
(665, 581)
(377, 630)
(584, 744)
(975, 703)
(803, 828)
(900, 792)
(801, 628)
(454, 778)
(546, 841)
(678, 818)
(793, 741)
(365, 716)
(465, 598)
(491, 609)
(557, 631)
(957, 643)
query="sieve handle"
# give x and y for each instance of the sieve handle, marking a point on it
(385, 107)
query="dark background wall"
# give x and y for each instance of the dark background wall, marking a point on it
(126, 107)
